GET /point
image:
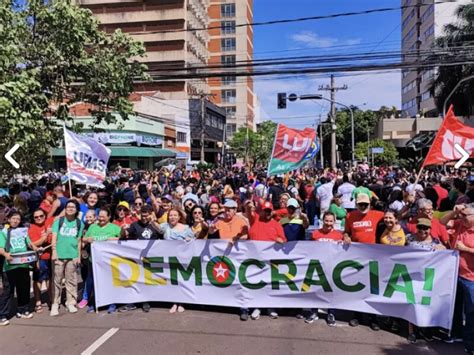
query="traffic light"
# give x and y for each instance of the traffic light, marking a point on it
(281, 100)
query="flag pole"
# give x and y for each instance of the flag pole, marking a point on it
(273, 150)
(67, 165)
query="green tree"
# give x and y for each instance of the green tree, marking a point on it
(457, 37)
(53, 55)
(388, 157)
(258, 148)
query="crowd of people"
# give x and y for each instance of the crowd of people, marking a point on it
(42, 214)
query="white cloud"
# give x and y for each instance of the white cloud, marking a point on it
(313, 40)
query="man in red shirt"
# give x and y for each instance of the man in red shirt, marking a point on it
(264, 228)
(441, 191)
(425, 210)
(361, 226)
(463, 240)
(40, 235)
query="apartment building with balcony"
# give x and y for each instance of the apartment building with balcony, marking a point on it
(169, 30)
(422, 22)
(228, 45)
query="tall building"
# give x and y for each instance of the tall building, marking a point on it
(163, 26)
(228, 45)
(171, 31)
(422, 22)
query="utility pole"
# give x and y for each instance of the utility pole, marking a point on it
(333, 89)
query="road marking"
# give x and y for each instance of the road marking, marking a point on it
(99, 342)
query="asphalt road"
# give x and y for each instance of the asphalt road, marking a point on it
(198, 331)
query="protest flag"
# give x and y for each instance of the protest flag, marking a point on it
(451, 132)
(292, 148)
(86, 159)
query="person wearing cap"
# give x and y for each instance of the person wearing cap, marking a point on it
(295, 223)
(264, 228)
(337, 209)
(361, 227)
(161, 206)
(231, 227)
(425, 210)
(422, 239)
(122, 215)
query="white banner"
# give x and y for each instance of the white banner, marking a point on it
(86, 159)
(412, 284)
(124, 138)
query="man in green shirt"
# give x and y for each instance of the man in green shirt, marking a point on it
(15, 240)
(66, 245)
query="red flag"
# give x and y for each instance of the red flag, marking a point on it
(451, 131)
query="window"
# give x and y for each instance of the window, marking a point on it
(427, 75)
(409, 87)
(405, 73)
(228, 10)
(429, 32)
(427, 13)
(408, 104)
(230, 111)
(426, 95)
(181, 138)
(231, 128)
(228, 60)
(228, 27)
(228, 96)
(409, 35)
(227, 44)
(228, 80)
(408, 18)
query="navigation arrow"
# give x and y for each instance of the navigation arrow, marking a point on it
(9, 154)
(465, 156)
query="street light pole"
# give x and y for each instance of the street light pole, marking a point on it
(453, 91)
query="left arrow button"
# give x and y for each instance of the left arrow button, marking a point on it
(9, 154)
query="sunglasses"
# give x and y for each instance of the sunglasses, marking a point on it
(121, 209)
(362, 204)
(40, 216)
(423, 228)
(139, 204)
(197, 212)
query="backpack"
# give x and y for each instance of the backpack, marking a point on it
(61, 222)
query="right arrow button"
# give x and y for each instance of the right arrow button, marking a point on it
(465, 156)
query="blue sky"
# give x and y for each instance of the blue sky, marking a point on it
(352, 34)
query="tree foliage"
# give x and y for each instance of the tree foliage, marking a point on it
(457, 36)
(259, 145)
(53, 55)
(388, 157)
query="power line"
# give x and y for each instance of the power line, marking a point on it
(299, 19)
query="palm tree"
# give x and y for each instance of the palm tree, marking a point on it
(459, 36)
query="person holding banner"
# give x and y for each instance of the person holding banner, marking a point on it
(16, 277)
(102, 231)
(66, 246)
(463, 240)
(326, 233)
(361, 226)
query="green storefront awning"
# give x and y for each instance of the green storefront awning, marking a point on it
(138, 152)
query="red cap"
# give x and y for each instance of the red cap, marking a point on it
(267, 205)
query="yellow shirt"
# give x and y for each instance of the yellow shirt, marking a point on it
(163, 218)
(397, 238)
